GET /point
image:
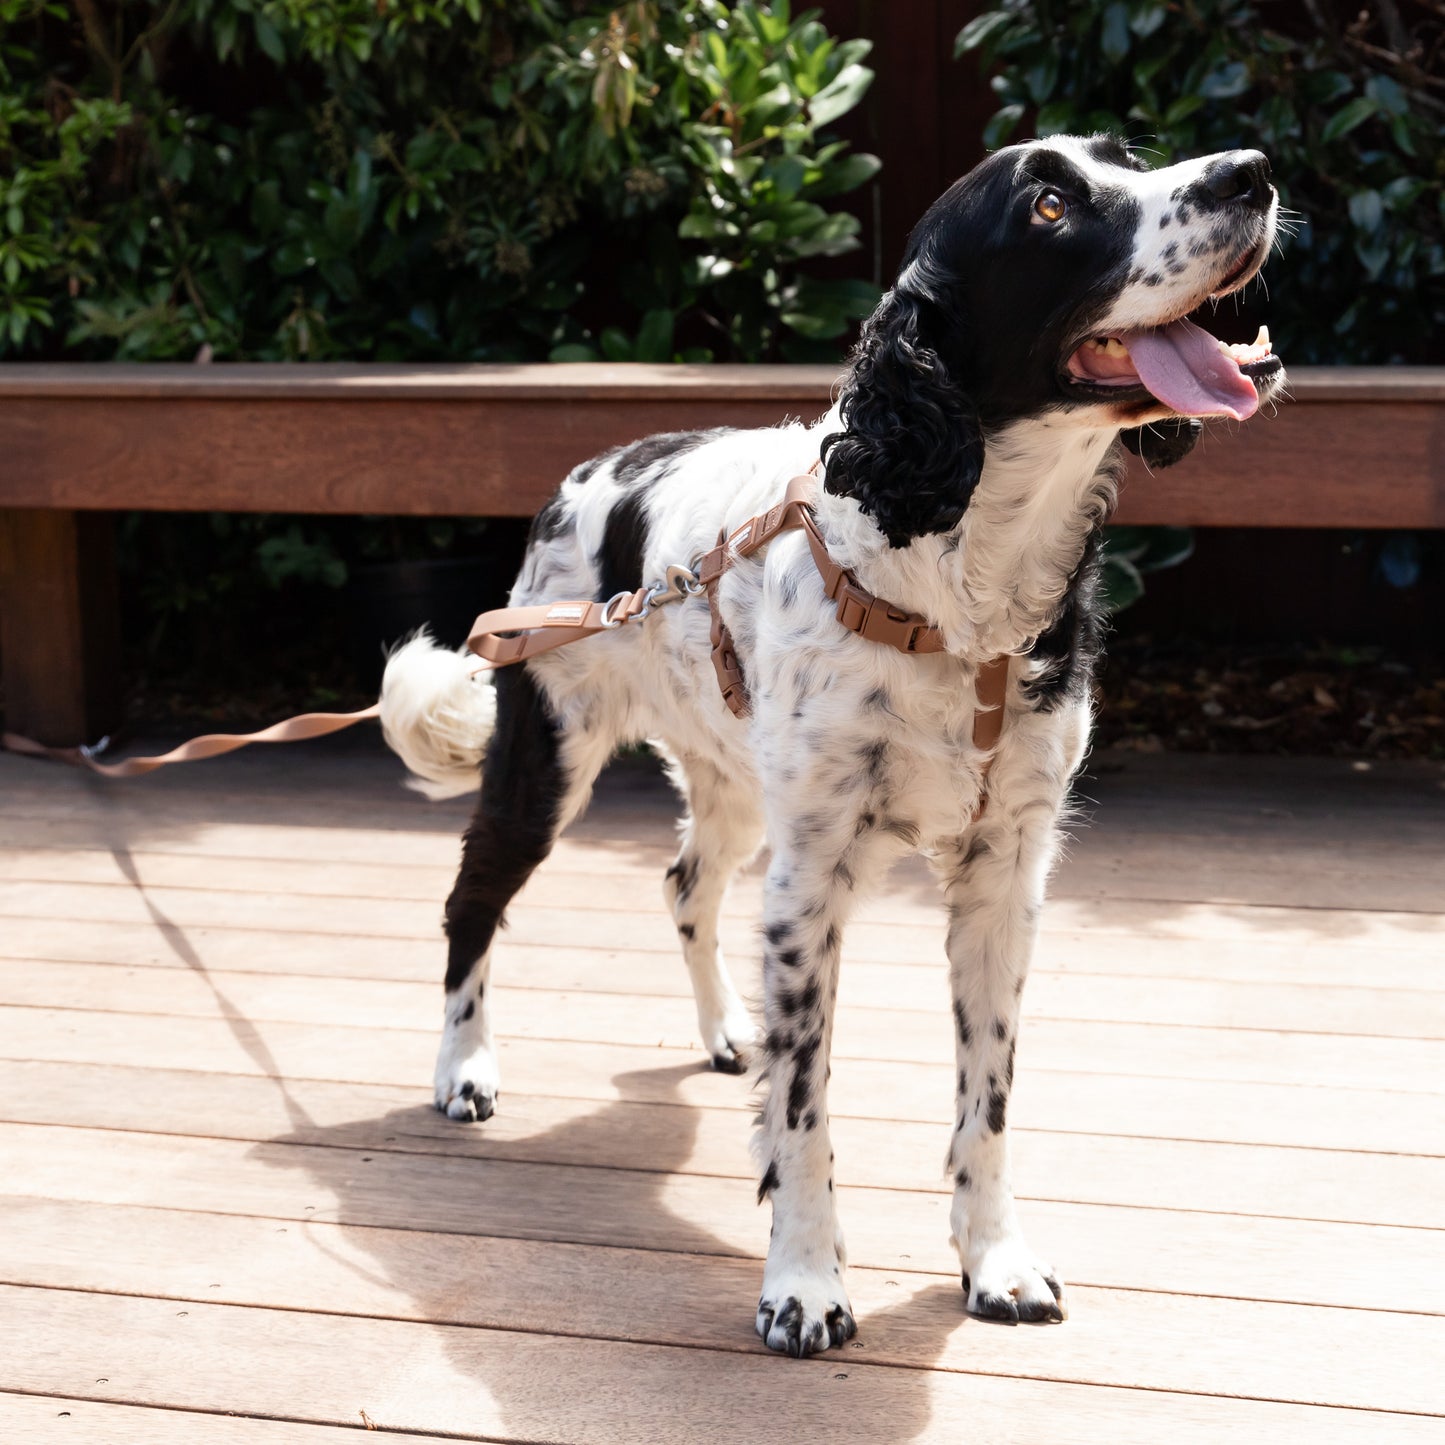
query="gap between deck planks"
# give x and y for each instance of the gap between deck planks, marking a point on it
(1153, 870)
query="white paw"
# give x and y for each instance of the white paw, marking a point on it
(467, 1081)
(1005, 1282)
(731, 1039)
(802, 1314)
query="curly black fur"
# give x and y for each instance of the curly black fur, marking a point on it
(1162, 443)
(912, 449)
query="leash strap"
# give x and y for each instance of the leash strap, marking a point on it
(212, 745)
(513, 634)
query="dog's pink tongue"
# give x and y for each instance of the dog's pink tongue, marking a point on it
(1184, 367)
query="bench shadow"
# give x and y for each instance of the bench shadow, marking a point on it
(530, 1235)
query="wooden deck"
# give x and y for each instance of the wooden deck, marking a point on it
(231, 1214)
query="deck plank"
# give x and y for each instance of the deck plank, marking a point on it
(448, 1378)
(332, 1051)
(1116, 1246)
(36, 1418)
(1186, 1343)
(584, 926)
(1182, 1174)
(916, 1097)
(632, 969)
(1417, 1015)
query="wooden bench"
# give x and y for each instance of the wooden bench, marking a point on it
(1359, 448)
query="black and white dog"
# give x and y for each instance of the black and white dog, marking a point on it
(968, 468)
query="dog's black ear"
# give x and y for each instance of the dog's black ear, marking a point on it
(1162, 443)
(911, 450)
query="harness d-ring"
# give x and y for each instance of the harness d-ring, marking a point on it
(608, 621)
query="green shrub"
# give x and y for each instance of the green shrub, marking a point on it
(1342, 100)
(424, 180)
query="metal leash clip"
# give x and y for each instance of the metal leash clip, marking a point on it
(679, 583)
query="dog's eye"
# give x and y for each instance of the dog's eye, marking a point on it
(1049, 207)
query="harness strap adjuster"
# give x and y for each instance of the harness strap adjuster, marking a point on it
(855, 604)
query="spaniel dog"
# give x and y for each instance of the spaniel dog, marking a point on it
(967, 470)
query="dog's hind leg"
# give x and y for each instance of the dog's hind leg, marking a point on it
(722, 831)
(536, 777)
(994, 888)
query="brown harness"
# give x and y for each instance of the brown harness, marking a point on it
(508, 635)
(513, 634)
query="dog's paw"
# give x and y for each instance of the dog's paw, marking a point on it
(467, 1082)
(1006, 1283)
(731, 1041)
(801, 1317)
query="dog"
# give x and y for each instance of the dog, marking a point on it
(965, 474)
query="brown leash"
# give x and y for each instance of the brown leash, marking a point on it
(509, 635)
(211, 745)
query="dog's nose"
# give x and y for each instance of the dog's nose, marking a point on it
(1241, 176)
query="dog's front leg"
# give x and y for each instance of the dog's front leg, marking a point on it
(804, 1306)
(994, 888)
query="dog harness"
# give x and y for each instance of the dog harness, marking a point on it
(513, 634)
(508, 635)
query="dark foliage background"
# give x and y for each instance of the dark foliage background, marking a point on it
(424, 180)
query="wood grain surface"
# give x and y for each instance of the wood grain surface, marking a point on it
(1354, 448)
(230, 1212)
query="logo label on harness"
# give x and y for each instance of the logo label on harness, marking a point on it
(565, 613)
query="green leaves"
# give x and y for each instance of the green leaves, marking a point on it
(840, 95)
(1348, 117)
(1131, 552)
(424, 179)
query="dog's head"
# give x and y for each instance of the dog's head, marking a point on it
(1054, 280)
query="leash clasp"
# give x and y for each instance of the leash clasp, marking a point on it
(679, 583)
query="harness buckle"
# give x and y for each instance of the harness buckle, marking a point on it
(855, 605)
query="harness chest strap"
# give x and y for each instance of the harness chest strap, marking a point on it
(858, 609)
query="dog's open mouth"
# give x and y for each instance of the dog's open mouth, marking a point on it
(1180, 365)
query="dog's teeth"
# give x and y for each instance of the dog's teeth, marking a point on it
(1263, 338)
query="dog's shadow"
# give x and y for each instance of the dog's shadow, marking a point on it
(504, 1239)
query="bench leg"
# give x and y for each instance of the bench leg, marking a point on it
(59, 634)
